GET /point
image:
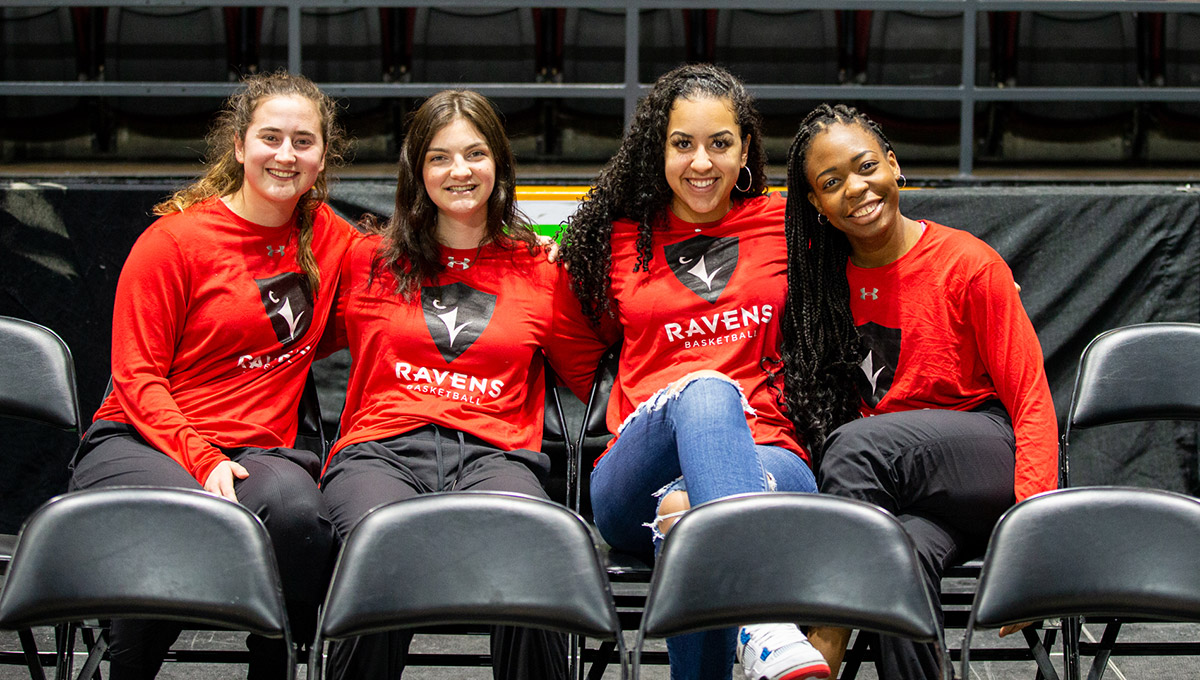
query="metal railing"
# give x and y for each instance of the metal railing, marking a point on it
(967, 93)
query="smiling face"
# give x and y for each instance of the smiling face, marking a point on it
(282, 155)
(459, 174)
(854, 183)
(704, 155)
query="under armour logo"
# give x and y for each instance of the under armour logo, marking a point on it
(278, 250)
(874, 293)
(463, 263)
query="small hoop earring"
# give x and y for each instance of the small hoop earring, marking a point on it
(821, 219)
(902, 180)
(749, 180)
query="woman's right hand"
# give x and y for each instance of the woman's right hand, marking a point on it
(220, 480)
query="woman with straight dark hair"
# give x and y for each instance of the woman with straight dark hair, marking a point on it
(448, 308)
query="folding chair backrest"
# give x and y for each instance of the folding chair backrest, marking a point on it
(37, 376)
(470, 557)
(1091, 551)
(144, 552)
(867, 577)
(1140, 372)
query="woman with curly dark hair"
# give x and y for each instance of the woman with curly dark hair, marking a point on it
(678, 253)
(219, 309)
(927, 322)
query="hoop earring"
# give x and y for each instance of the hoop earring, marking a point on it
(749, 179)
(821, 219)
(902, 180)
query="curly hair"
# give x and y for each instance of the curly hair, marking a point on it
(633, 185)
(410, 249)
(224, 175)
(821, 346)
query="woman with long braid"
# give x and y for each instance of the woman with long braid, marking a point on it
(678, 252)
(924, 323)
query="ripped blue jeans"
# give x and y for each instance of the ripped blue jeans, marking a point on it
(699, 434)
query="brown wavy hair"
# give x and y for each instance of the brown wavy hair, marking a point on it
(225, 175)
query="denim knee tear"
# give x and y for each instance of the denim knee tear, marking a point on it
(662, 397)
(676, 484)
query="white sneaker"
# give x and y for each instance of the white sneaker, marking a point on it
(778, 651)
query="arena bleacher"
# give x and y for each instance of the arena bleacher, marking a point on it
(1065, 133)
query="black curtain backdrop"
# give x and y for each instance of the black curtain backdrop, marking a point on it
(1088, 258)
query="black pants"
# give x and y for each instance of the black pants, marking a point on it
(429, 460)
(281, 490)
(946, 475)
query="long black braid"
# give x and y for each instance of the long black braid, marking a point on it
(633, 184)
(821, 346)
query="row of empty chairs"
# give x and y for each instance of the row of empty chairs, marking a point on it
(168, 553)
(583, 45)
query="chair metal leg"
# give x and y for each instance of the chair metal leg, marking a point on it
(32, 658)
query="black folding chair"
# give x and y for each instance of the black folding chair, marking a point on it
(37, 383)
(622, 567)
(468, 557)
(1142, 372)
(867, 576)
(174, 554)
(1098, 551)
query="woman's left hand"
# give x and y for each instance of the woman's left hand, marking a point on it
(549, 245)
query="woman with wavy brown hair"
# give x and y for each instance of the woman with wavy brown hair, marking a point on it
(219, 310)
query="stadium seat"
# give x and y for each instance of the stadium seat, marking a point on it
(922, 49)
(780, 47)
(1076, 49)
(1174, 53)
(152, 43)
(40, 44)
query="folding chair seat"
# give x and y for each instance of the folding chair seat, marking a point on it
(39, 43)
(868, 576)
(467, 557)
(173, 554)
(1133, 374)
(1093, 552)
(37, 384)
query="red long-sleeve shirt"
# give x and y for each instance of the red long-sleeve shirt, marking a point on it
(213, 332)
(947, 330)
(465, 354)
(711, 300)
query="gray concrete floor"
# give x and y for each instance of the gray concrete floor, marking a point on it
(1127, 668)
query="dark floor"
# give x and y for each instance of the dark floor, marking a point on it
(1120, 669)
